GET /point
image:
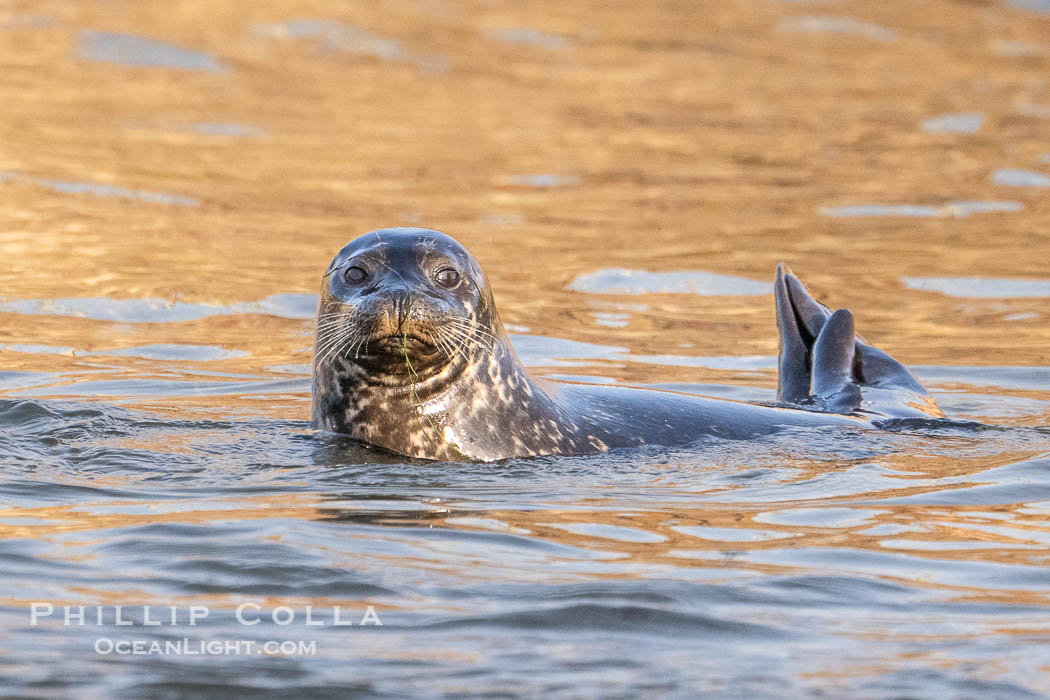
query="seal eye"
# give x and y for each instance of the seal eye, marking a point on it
(355, 274)
(447, 277)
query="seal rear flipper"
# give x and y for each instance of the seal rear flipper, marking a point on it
(877, 368)
(812, 315)
(833, 361)
(793, 376)
(825, 366)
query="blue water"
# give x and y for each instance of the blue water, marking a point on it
(603, 560)
(132, 50)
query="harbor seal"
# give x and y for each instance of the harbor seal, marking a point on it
(411, 357)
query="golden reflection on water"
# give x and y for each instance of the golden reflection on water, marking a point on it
(706, 140)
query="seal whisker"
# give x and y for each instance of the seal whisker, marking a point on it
(335, 345)
(348, 310)
(324, 342)
(330, 334)
(445, 345)
(321, 356)
(330, 328)
(474, 327)
(452, 348)
(468, 335)
(353, 347)
(332, 323)
(454, 340)
(470, 325)
(323, 334)
(335, 321)
(327, 331)
(343, 350)
(439, 341)
(466, 341)
(464, 338)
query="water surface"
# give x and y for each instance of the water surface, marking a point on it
(175, 179)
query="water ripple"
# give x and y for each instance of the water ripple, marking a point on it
(132, 50)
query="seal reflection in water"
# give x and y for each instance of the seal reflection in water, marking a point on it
(411, 357)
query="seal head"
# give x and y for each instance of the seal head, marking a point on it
(406, 329)
(395, 299)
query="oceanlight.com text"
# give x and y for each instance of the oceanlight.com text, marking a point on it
(199, 647)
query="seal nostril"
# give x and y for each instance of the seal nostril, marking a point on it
(402, 308)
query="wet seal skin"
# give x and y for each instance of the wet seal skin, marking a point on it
(411, 357)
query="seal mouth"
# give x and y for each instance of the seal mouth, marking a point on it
(400, 345)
